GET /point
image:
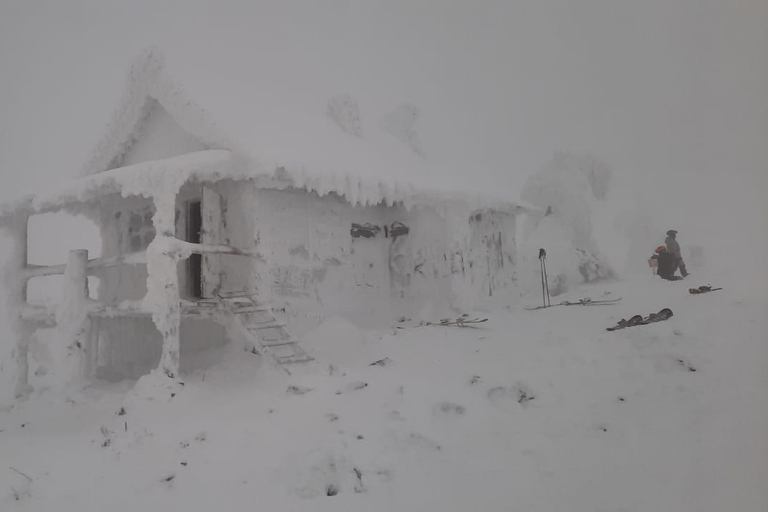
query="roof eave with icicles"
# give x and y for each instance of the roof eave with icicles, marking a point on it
(163, 177)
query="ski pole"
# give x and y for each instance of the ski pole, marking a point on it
(544, 283)
(546, 280)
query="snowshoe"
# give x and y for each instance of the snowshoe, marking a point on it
(366, 230)
(702, 289)
(662, 315)
(635, 320)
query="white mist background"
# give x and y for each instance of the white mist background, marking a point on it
(672, 95)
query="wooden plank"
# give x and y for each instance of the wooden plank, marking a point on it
(31, 271)
(211, 234)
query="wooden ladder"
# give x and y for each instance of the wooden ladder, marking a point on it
(264, 334)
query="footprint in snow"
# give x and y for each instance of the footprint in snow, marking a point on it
(506, 396)
(329, 476)
(448, 409)
(298, 390)
(417, 440)
(352, 386)
(411, 444)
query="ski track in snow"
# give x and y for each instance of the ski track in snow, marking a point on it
(534, 410)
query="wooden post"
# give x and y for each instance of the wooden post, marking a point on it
(163, 283)
(211, 234)
(16, 299)
(72, 313)
(75, 275)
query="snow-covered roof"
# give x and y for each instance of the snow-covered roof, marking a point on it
(320, 156)
(156, 178)
(147, 82)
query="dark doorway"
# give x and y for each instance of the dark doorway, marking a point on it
(195, 261)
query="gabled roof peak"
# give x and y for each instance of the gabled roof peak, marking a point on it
(148, 82)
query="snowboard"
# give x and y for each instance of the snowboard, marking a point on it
(662, 315)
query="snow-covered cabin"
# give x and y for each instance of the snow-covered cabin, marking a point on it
(186, 218)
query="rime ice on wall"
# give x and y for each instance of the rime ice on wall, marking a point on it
(483, 258)
(312, 266)
(345, 113)
(295, 225)
(72, 322)
(567, 188)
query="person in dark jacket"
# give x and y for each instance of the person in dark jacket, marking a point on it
(674, 249)
(666, 264)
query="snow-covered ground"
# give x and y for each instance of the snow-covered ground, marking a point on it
(664, 417)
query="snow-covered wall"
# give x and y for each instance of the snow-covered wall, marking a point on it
(483, 262)
(126, 348)
(314, 263)
(313, 267)
(308, 256)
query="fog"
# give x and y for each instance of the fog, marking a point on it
(671, 95)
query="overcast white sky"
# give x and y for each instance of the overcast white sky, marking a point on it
(673, 94)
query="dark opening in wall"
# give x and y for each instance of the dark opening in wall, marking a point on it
(195, 261)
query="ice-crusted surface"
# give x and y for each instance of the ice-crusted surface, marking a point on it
(165, 177)
(162, 298)
(569, 185)
(566, 190)
(147, 179)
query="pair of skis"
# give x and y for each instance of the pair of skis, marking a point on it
(462, 322)
(580, 302)
(662, 315)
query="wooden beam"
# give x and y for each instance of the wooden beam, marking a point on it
(211, 249)
(31, 271)
(135, 258)
(125, 308)
(40, 314)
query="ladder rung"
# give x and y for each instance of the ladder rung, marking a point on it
(281, 344)
(293, 359)
(233, 295)
(248, 310)
(266, 326)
